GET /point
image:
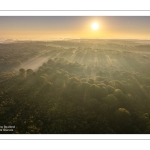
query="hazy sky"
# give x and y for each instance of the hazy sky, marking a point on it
(45, 28)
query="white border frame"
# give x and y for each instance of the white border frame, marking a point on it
(74, 136)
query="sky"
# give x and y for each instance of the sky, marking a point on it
(52, 27)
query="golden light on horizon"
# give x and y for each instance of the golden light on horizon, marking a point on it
(95, 26)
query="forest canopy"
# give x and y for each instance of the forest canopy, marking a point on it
(75, 87)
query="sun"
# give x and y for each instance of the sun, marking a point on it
(95, 26)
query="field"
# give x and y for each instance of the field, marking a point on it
(80, 86)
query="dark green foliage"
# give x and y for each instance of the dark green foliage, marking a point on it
(86, 87)
(91, 81)
(122, 119)
(22, 71)
(41, 80)
(112, 102)
(29, 72)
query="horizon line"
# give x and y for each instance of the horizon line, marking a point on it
(15, 40)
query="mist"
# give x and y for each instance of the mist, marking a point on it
(75, 86)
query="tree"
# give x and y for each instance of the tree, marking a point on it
(144, 120)
(104, 109)
(122, 120)
(29, 72)
(94, 91)
(84, 87)
(91, 81)
(22, 72)
(47, 88)
(110, 89)
(41, 80)
(112, 102)
(103, 91)
(120, 96)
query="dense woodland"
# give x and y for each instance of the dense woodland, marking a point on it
(75, 87)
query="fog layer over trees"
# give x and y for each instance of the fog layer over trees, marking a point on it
(75, 86)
